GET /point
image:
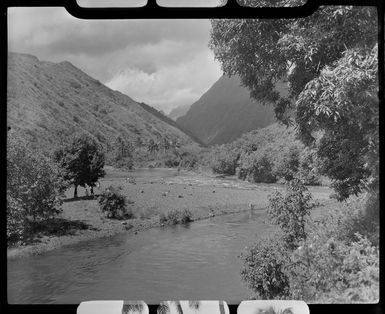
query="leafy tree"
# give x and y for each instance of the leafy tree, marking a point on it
(223, 160)
(290, 212)
(82, 161)
(34, 187)
(342, 102)
(289, 163)
(330, 62)
(256, 167)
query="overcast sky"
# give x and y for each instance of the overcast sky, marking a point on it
(164, 63)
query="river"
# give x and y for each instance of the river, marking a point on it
(195, 261)
(199, 260)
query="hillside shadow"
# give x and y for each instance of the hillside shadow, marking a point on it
(55, 227)
(81, 198)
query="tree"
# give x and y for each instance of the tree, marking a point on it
(139, 142)
(290, 212)
(82, 161)
(330, 62)
(165, 144)
(34, 187)
(289, 163)
(152, 146)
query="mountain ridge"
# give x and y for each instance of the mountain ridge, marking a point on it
(226, 111)
(50, 101)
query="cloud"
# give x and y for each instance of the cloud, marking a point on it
(164, 63)
(171, 85)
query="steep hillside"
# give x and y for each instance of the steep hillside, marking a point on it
(47, 102)
(164, 118)
(179, 112)
(225, 112)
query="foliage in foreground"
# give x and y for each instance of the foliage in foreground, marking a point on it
(330, 60)
(33, 188)
(114, 204)
(290, 212)
(333, 260)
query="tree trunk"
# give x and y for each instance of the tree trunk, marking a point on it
(76, 191)
(221, 307)
(179, 307)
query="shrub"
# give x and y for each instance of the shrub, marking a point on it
(162, 218)
(185, 216)
(288, 165)
(308, 171)
(290, 212)
(175, 216)
(188, 160)
(114, 204)
(34, 187)
(223, 160)
(331, 262)
(15, 220)
(256, 167)
(336, 271)
(264, 268)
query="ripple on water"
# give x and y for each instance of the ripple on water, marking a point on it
(199, 260)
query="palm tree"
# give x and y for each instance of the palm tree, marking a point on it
(221, 307)
(195, 305)
(151, 146)
(271, 310)
(139, 143)
(131, 307)
(163, 308)
(178, 307)
(165, 144)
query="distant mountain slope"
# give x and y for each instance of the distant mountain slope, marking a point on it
(179, 112)
(50, 101)
(225, 112)
(164, 118)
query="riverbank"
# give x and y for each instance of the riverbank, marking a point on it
(154, 192)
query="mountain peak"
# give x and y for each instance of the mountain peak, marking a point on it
(225, 112)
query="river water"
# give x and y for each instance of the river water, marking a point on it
(195, 261)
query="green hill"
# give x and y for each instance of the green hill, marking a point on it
(48, 102)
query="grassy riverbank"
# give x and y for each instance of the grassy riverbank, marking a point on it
(203, 195)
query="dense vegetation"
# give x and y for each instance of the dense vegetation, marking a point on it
(330, 61)
(34, 187)
(335, 259)
(268, 155)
